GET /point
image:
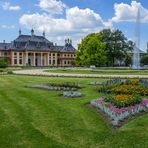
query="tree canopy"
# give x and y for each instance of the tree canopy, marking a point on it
(91, 51)
(117, 46)
(105, 48)
(144, 59)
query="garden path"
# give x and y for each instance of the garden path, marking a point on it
(41, 72)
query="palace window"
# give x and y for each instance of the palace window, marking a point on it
(58, 61)
(65, 62)
(15, 53)
(15, 61)
(53, 62)
(20, 61)
(29, 61)
(20, 54)
(53, 55)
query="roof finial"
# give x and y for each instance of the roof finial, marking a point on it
(44, 33)
(32, 32)
(71, 42)
(20, 32)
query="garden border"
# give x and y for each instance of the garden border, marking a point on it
(107, 119)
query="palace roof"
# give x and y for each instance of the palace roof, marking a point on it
(35, 43)
(5, 46)
(34, 38)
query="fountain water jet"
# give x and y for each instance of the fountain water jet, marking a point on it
(136, 53)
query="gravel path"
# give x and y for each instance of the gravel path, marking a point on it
(41, 72)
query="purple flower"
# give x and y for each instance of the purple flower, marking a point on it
(100, 101)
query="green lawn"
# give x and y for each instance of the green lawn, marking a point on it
(87, 71)
(35, 118)
(9, 69)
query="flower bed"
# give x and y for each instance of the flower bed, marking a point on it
(143, 81)
(67, 86)
(127, 86)
(57, 88)
(95, 83)
(129, 89)
(116, 114)
(72, 94)
(123, 100)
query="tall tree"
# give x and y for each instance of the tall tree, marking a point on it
(91, 51)
(116, 45)
(144, 59)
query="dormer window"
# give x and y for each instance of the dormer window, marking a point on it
(38, 45)
(16, 45)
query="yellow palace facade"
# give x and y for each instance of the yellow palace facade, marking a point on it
(32, 50)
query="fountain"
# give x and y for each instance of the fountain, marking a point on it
(136, 53)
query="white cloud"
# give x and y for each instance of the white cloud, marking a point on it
(77, 24)
(7, 26)
(83, 18)
(8, 6)
(128, 13)
(52, 6)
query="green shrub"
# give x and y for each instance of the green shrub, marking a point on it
(10, 72)
(3, 63)
(1, 70)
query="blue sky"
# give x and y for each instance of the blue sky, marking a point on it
(71, 18)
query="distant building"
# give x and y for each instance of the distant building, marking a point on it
(32, 50)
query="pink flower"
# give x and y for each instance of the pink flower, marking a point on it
(144, 102)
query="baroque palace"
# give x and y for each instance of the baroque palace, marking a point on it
(33, 50)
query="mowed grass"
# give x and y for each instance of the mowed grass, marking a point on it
(89, 71)
(35, 118)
